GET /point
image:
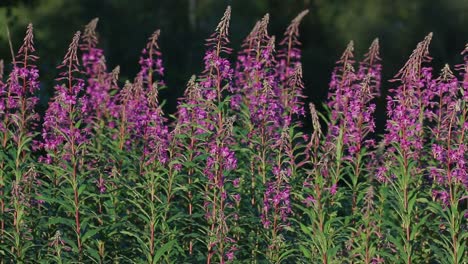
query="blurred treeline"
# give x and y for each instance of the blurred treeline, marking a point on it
(125, 25)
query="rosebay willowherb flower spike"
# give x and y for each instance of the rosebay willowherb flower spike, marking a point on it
(217, 69)
(248, 60)
(70, 61)
(340, 93)
(19, 122)
(405, 107)
(443, 93)
(23, 82)
(66, 107)
(99, 81)
(372, 67)
(151, 63)
(404, 137)
(292, 94)
(343, 77)
(89, 36)
(255, 77)
(155, 132)
(412, 70)
(289, 54)
(448, 162)
(192, 111)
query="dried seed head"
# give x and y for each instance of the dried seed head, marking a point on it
(153, 40)
(193, 91)
(223, 26)
(153, 96)
(446, 74)
(348, 67)
(347, 54)
(263, 27)
(267, 88)
(127, 92)
(28, 42)
(373, 54)
(71, 56)
(366, 84)
(253, 33)
(293, 28)
(369, 194)
(90, 36)
(115, 74)
(458, 105)
(296, 78)
(369, 199)
(258, 33)
(315, 124)
(412, 68)
(137, 87)
(271, 43)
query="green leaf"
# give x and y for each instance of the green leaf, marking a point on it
(162, 250)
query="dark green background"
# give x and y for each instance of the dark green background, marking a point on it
(126, 24)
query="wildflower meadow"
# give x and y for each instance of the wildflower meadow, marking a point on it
(105, 176)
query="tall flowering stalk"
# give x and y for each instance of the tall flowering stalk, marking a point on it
(277, 202)
(256, 96)
(65, 142)
(319, 223)
(448, 170)
(150, 191)
(404, 139)
(357, 118)
(288, 61)
(100, 87)
(342, 86)
(348, 124)
(232, 178)
(100, 83)
(19, 175)
(188, 135)
(214, 83)
(371, 66)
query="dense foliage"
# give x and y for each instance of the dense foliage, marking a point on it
(105, 176)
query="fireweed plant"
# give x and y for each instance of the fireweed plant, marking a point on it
(106, 176)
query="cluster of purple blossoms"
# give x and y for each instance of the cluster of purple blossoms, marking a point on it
(256, 80)
(99, 82)
(406, 106)
(62, 130)
(139, 111)
(357, 98)
(200, 114)
(342, 88)
(17, 95)
(227, 161)
(276, 204)
(448, 148)
(192, 108)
